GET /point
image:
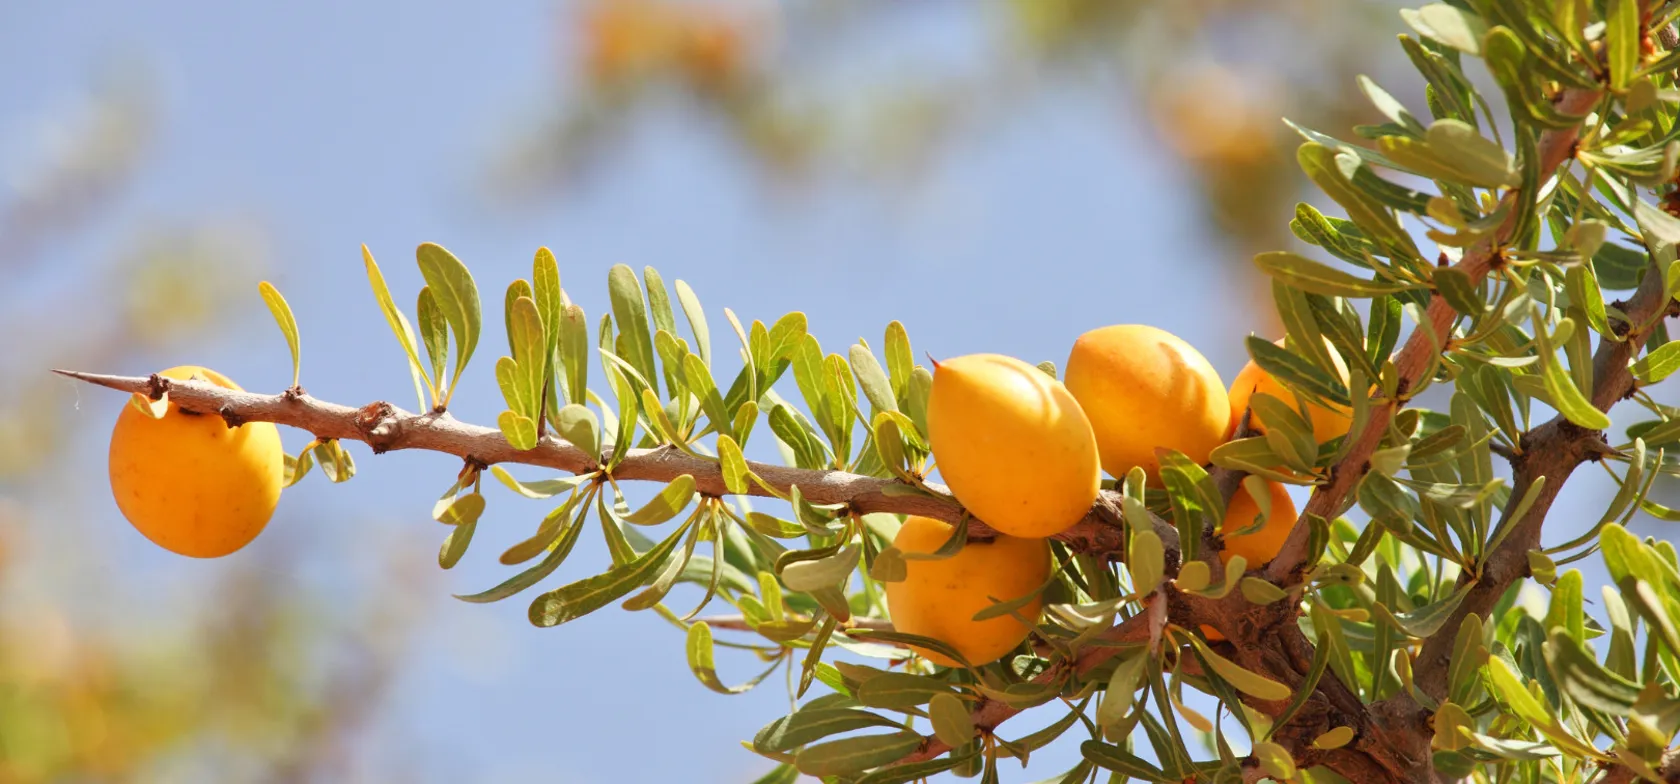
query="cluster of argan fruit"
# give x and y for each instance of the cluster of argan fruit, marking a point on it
(1024, 453)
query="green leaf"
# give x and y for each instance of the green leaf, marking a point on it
(1114, 758)
(700, 661)
(568, 537)
(668, 504)
(1258, 591)
(455, 544)
(1622, 32)
(1122, 688)
(1275, 760)
(585, 596)
(519, 430)
(541, 488)
(900, 690)
(1585, 680)
(1449, 25)
(699, 380)
(812, 724)
(811, 575)
(283, 317)
(515, 290)
(1657, 365)
(1319, 163)
(335, 462)
(399, 324)
(529, 347)
(1146, 560)
(1336, 738)
(1287, 433)
(1389, 106)
(735, 471)
(915, 640)
(950, 718)
(460, 510)
(630, 315)
(696, 321)
(457, 296)
(1296, 372)
(900, 361)
(915, 771)
(546, 292)
(1455, 287)
(876, 386)
(297, 467)
(574, 353)
(578, 425)
(856, 754)
(1250, 683)
(1478, 160)
(1311, 276)
(1566, 397)
(434, 332)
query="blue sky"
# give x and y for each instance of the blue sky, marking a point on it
(341, 124)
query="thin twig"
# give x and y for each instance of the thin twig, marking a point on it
(386, 428)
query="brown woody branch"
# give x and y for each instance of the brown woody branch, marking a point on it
(1330, 499)
(386, 428)
(1553, 451)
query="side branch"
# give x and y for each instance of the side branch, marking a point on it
(1553, 451)
(385, 428)
(1417, 355)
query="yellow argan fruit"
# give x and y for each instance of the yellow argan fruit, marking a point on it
(1258, 547)
(938, 599)
(190, 483)
(1145, 388)
(1327, 423)
(1261, 546)
(1012, 444)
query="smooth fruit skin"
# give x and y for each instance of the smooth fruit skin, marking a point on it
(1259, 547)
(1327, 423)
(938, 599)
(1145, 388)
(190, 483)
(1013, 444)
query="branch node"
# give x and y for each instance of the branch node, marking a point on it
(377, 423)
(293, 394)
(230, 416)
(157, 386)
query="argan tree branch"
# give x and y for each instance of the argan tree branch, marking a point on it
(1553, 451)
(1330, 499)
(385, 428)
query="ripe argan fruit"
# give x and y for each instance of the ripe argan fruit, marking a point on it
(1327, 423)
(190, 483)
(938, 599)
(1013, 445)
(1261, 546)
(1145, 388)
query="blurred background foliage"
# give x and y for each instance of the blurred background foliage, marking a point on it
(778, 82)
(258, 685)
(262, 684)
